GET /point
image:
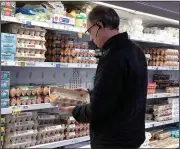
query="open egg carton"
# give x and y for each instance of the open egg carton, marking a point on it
(65, 97)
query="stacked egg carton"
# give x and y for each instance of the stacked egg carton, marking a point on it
(63, 48)
(21, 130)
(82, 130)
(163, 57)
(162, 112)
(28, 94)
(70, 126)
(175, 107)
(30, 42)
(167, 35)
(49, 130)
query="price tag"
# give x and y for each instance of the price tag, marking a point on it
(27, 23)
(80, 65)
(25, 107)
(87, 65)
(57, 65)
(31, 64)
(16, 111)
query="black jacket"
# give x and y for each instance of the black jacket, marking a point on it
(117, 110)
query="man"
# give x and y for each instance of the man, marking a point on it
(117, 110)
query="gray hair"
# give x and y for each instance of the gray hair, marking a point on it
(106, 15)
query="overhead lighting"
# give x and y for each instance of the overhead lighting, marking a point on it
(114, 6)
(138, 12)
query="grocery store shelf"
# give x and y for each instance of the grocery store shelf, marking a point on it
(162, 95)
(48, 105)
(53, 26)
(162, 68)
(62, 143)
(145, 43)
(150, 124)
(67, 65)
(46, 64)
(26, 108)
(47, 25)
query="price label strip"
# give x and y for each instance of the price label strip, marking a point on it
(15, 110)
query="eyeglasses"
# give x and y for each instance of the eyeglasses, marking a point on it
(89, 29)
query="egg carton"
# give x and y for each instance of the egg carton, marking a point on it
(20, 126)
(162, 113)
(70, 128)
(26, 144)
(50, 130)
(47, 117)
(55, 138)
(30, 46)
(62, 96)
(81, 133)
(163, 118)
(24, 116)
(70, 135)
(20, 29)
(67, 120)
(160, 108)
(30, 37)
(20, 135)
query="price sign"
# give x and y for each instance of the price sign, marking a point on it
(15, 111)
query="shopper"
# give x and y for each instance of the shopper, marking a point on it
(117, 110)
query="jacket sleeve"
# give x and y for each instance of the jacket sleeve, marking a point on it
(105, 93)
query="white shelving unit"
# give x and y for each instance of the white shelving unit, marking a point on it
(62, 143)
(49, 106)
(86, 73)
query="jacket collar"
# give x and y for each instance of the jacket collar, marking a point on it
(121, 37)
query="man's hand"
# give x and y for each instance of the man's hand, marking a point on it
(69, 109)
(81, 89)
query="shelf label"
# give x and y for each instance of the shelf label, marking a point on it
(26, 23)
(15, 110)
(30, 64)
(25, 107)
(57, 65)
(87, 65)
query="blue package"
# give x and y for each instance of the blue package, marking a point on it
(5, 103)
(7, 57)
(8, 48)
(8, 38)
(5, 75)
(5, 84)
(4, 94)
